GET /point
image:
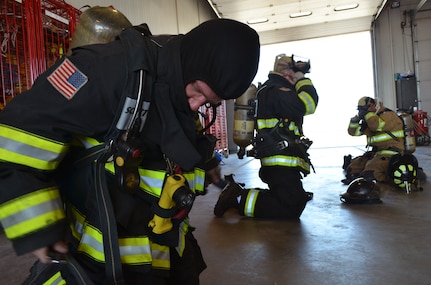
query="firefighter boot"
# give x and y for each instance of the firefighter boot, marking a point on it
(228, 199)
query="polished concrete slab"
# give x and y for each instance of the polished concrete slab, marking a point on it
(332, 243)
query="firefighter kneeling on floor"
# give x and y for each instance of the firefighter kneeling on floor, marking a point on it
(283, 101)
(101, 159)
(385, 136)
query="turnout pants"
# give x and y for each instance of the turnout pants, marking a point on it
(285, 198)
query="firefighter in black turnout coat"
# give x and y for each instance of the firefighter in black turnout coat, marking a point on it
(280, 145)
(88, 226)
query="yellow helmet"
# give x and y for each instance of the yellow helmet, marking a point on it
(98, 25)
(282, 62)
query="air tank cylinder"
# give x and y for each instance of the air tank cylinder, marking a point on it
(409, 132)
(244, 119)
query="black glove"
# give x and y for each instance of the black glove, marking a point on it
(362, 112)
(301, 66)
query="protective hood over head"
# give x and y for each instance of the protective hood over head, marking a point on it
(224, 54)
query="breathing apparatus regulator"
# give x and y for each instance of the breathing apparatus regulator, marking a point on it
(175, 202)
(177, 198)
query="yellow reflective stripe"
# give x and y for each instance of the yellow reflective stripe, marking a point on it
(302, 83)
(357, 127)
(199, 179)
(195, 179)
(294, 128)
(387, 152)
(310, 105)
(381, 125)
(78, 222)
(31, 212)
(152, 181)
(250, 202)
(55, 279)
(88, 142)
(266, 123)
(385, 137)
(271, 123)
(284, 160)
(161, 257)
(183, 230)
(135, 250)
(109, 166)
(92, 243)
(21, 147)
(369, 115)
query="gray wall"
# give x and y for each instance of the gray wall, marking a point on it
(162, 16)
(396, 49)
(403, 43)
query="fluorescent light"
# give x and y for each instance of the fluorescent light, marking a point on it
(300, 14)
(257, 21)
(346, 7)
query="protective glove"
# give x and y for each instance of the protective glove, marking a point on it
(362, 112)
(297, 76)
(355, 119)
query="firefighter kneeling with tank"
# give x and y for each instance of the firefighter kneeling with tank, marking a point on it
(388, 163)
(282, 102)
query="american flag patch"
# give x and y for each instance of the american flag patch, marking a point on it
(67, 79)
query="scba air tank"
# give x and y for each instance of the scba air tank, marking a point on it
(409, 132)
(244, 119)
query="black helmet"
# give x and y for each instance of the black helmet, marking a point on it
(402, 170)
(361, 191)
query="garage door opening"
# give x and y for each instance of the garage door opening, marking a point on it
(341, 71)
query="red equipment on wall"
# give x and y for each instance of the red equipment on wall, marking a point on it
(422, 122)
(218, 126)
(33, 35)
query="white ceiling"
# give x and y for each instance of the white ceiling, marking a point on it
(323, 21)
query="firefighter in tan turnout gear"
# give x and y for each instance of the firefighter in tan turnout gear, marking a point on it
(385, 135)
(100, 161)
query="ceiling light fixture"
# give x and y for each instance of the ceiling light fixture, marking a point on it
(346, 7)
(300, 14)
(257, 21)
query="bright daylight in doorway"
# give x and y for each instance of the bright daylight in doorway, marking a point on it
(341, 71)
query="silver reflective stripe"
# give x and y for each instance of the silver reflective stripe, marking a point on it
(28, 150)
(31, 212)
(308, 101)
(266, 123)
(291, 161)
(250, 202)
(134, 250)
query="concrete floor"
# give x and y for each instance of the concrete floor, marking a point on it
(333, 243)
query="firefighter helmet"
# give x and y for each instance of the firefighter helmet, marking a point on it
(282, 62)
(402, 170)
(98, 25)
(361, 191)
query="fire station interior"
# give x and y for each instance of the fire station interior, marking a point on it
(332, 242)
